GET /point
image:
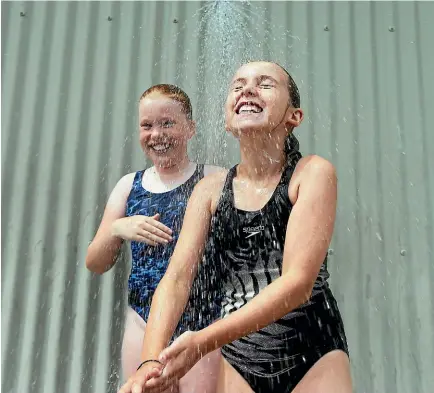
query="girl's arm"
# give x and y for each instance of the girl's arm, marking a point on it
(104, 248)
(173, 291)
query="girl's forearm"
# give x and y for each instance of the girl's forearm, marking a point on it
(275, 301)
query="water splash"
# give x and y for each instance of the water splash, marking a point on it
(226, 43)
(229, 34)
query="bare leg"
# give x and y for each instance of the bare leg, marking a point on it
(330, 374)
(230, 381)
(202, 378)
(132, 343)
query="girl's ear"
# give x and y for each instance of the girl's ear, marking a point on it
(295, 117)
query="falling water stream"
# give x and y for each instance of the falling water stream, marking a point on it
(229, 33)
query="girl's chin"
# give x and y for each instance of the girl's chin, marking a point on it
(163, 161)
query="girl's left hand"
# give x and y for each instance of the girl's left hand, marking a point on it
(178, 358)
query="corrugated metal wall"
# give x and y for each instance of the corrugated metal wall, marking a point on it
(71, 76)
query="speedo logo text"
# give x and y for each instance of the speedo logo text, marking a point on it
(252, 231)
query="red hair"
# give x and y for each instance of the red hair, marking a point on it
(173, 92)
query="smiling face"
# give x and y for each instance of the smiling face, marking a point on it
(164, 129)
(259, 99)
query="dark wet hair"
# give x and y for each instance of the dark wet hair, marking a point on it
(292, 145)
(294, 93)
(173, 92)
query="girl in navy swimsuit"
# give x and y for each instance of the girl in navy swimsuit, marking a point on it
(266, 226)
(147, 208)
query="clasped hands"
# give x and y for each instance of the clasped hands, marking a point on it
(176, 360)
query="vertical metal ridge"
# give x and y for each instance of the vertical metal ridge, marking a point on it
(427, 165)
(7, 15)
(16, 247)
(414, 163)
(310, 97)
(66, 49)
(181, 47)
(34, 295)
(200, 81)
(95, 182)
(131, 120)
(362, 276)
(14, 118)
(267, 32)
(100, 290)
(105, 294)
(409, 341)
(288, 12)
(333, 96)
(76, 291)
(387, 342)
(156, 71)
(387, 147)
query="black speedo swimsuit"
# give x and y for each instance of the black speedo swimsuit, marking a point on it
(248, 248)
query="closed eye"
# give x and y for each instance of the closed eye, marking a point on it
(168, 124)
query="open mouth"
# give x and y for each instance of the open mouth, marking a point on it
(247, 107)
(160, 148)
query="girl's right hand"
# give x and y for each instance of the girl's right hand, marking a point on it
(143, 229)
(136, 383)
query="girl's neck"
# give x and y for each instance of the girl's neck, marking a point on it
(173, 172)
(261, 159)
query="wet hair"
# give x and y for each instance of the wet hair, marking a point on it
(173, 92)
(294, 93)
(292, 145)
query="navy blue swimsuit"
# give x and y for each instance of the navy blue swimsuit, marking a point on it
(149, 263)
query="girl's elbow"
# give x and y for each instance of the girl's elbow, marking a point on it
(305, 292)
(93, 264)
(94, 267)
(302, 288)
